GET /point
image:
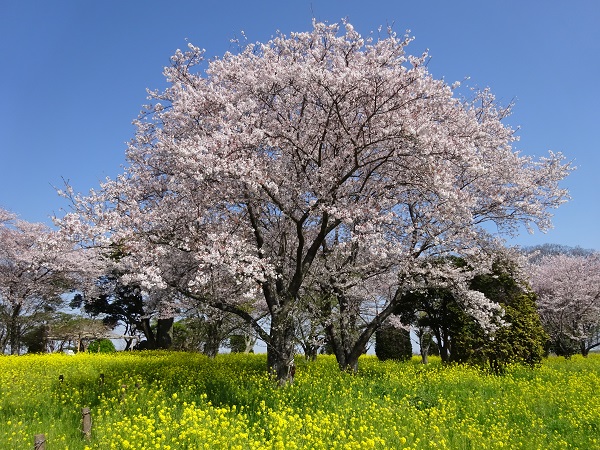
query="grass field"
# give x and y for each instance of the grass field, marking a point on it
(179, 400)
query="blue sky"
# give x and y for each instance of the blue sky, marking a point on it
(74, 75)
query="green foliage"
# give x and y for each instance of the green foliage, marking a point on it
(69, 327)
(189, 334)
(393, 343)
(562, 345)
(461, 339)
(238, 343)
(36, 339)
(522, 341)
(101, 346)
(117, 303)
(435, 310)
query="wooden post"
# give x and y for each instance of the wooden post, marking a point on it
(39, 442)
(87, 422)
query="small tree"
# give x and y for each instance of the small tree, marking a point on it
(79, 331)
(115, 303)
(36, 339)
(241, 343)
(523, 339)
(188, 335)
(435, 312)
(101, 346)
(427, 345)
(310, 328)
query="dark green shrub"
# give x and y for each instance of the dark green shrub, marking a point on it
(392, 343)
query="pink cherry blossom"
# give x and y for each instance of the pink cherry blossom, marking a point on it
(568, 290)
(316, 159)
(37, 266)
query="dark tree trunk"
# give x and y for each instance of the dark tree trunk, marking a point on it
(14, 331)
(163, 328)
(443, 344)
(584, 348)
(346, 344)
(211, 346)
(149, 334)
(346, 353)
(213, 339)
(424, 350)
(350, 361)
(280, 348)
(162, 338)
(444, 354)
(128, 340)
(3, 342)
(250, 342)
(311, 351)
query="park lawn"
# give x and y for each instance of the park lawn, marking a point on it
(170, 400)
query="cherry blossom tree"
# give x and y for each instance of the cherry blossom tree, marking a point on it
(568, 290)
(319, 159)
(37, 266)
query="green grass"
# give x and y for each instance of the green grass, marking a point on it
(180, 400)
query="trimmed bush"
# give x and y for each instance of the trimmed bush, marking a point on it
(393, 343)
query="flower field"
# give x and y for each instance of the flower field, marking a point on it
(153, 400)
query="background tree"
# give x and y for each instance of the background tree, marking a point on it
(427, 346)
(37, 266)
(460, 338)
(76, 332)
(568, 300)
(434, 311)
(206, 330)
(310, 331)
(524, 339)
(189, 335)
(537, 252)
(116, 304)
(118, 301)
(322, 155)
(36, 339)
(242, 339)
(521, 341)
(242, 343)
(101, 346)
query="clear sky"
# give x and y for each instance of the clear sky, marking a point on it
(74, 75)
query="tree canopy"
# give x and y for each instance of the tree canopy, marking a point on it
(37, 266)
(319, 164)
(568, 289)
